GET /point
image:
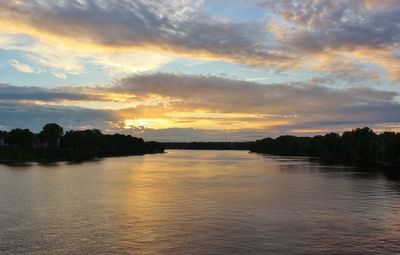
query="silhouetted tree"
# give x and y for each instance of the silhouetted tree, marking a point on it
(360, 144)
(390, 149)
(74, 145)
(92, 143)
(20, 137)
(3, 135)
(51, 134)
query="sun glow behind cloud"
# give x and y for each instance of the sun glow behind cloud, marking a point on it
(342, 57)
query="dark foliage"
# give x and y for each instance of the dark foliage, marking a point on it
(51, 134)
(154, 147)
(3, 135)
(359, 144)
(22, 138)
(51, 144)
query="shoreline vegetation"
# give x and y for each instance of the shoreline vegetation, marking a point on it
(358, 145)
(53, 145)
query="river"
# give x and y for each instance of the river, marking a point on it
(198, 202)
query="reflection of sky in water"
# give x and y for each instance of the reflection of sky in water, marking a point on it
(197, 202)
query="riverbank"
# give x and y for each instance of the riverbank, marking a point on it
(53, 145)
(34, 159)
(18, 162)
(361, 144)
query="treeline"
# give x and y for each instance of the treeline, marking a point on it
(52, 144)
(358, 144)
(209, 145)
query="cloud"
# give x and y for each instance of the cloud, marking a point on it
(359, 32)
(340, 24)
(55, 57)
(130, 62)
(208, 102)
(160, 106)
(347, 40)
(24, 68)
(143, 26)
(61, 59)
(201, 135)
(23, 93)
(60, 75)
(22, 115)
(340, 42)
(225, 95)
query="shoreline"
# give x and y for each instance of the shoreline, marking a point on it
(45, 161)
(345, 161)
(359, 163)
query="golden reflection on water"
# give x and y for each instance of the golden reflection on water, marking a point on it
(197, 202)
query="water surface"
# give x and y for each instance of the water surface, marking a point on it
(198, 202)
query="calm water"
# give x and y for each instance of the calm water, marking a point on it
(198, 202)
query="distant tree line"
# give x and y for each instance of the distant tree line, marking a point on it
(52, 144)
(358, 144)
(209, 145)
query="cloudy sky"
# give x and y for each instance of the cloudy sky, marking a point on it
(206, 70)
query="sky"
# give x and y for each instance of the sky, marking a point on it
(200, 70)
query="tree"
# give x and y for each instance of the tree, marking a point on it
(361, 143)
(51, 134)
(3, 135)
(73, 145)
(20, 137)
(390, 150)
(357, 144)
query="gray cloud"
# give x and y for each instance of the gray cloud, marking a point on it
(201, 135)
(225, 95)
(235, 105)
(144, 24)
(345, 35)
(18, 115)
(310, 28)
(353, 40)
(336, 23)
(10, 92)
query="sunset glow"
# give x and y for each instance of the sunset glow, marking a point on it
(189, 69)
